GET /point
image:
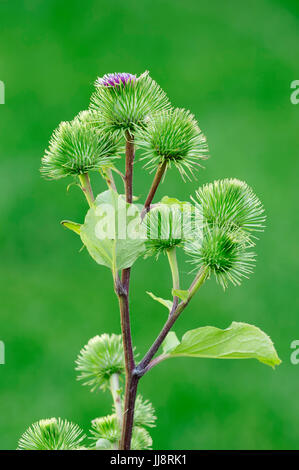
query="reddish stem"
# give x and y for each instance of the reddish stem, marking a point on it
(123, 294)
(156, 181)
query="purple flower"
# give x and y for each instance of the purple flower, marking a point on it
(115, 79)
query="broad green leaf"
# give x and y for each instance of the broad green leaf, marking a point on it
(181, 294)
(239, 341)
(74, 226)
(170, 342)
(166, 303)
(173, 201)
(112, 232)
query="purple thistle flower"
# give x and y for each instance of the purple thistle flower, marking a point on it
(115, 79)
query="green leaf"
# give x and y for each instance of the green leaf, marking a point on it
(166, 303)
(173, 201)
(181, 294)
(170, 342)
(109, 230)
(239, 341)
(74, 226)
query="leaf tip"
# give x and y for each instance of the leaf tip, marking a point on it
(74, 226)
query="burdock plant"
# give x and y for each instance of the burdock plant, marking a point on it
(217, 230)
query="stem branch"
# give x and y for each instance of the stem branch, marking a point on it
(114, 388)
(110, 180)
(171, 254)
(141, 368)
(156, 181)
(86, 188)
(130, 155)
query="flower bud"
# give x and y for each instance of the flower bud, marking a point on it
(76, 148)
(222, 254)
(125, 100)
(173, 136)
(52, 434)
(99, 360)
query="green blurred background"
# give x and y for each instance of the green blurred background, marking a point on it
(231, 63)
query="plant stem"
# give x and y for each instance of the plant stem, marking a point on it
(126, 329)
(153, 363)
(86, 188)
(129, 408)
(110, 180)
(199, 279)
(128, 414)
(141, 368)
(130, 155)
(156, 181)
(114, 388)
(123, 178)
(171, 254)
(123, 295)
